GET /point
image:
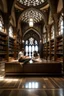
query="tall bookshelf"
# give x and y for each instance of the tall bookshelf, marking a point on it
(3, 41)
(3, 46)
(11, 47)
(49, 46)
(59, 38)
(48, 50)
(18, 43)
(52, 49)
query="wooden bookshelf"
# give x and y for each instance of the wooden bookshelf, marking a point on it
(3, 46)
(17, 48)
(59, 51)
(52, 49)
(50, 46)
(11, 47)
(44, 50)
(18, 44)
(48, 50)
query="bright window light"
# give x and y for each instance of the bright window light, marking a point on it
(0, 25)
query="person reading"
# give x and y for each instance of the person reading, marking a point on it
(22, 58)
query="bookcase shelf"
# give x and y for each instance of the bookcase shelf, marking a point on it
(11, 47)
(44, 50)
(59, 51)
(48, 50)
(18, 44)
(53, 48)
(3, 46)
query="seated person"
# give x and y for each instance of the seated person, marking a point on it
(22, 58)
(35, 55)
(21, 54)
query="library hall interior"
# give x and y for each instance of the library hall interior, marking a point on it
(31, 48)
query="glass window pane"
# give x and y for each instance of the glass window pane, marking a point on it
(61, 25)
(31, 40)
(26, 41)
(32, 48)
(36, 42)
(52, 32)
(31, 45)
(26, 48)
(10, 31)
(36, 48)
(30, 54)
(29, 48)
(62, 31)
(1, 24)
(62, 22)
(26, 53)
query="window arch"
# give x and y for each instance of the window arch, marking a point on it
(31, 45)
(1, 24)
(60, 25)
(44, 34)
(52, 32)
(10, 31)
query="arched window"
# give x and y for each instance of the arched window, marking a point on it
(31, 45)
(60, 26)
(1, 24)
(52, 32)
(10, 31)
(44, 34)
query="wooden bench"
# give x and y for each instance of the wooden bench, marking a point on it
(35, 68)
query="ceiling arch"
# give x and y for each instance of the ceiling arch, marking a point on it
(31, 10)
(38, 15)
(33, 13)
(32, 34)
(32, 30)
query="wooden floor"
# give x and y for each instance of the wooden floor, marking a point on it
(30, 86)
(39, 86)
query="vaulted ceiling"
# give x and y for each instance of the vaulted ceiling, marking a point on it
(20, 11)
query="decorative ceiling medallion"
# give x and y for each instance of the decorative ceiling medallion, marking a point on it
(36, 15)
(31, 2)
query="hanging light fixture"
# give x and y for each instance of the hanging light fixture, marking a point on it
(31, 22)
